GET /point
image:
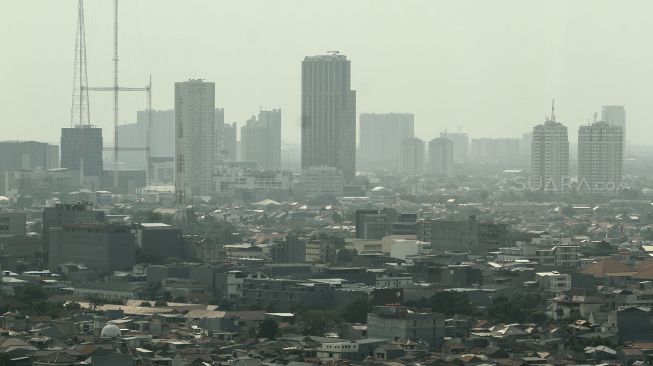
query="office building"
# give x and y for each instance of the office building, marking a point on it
(376, 224)
(600, 157)
(25, 155)
(195, 140)
(322, 181)
(398, 322)
(411, 156)
(100, 247)
(81, 150)
(381, 135)
(159, 240)
(550, 156)
(54, 161)
(62, 214)
(261, 140)
(460, 145)
(328, 114)
(13, 223)
(39, 183)
(441, 157)
(219, 133)
(525, 146)
(615, 115)
(467, 236)
(230, 179)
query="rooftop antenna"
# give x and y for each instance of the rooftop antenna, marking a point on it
(460, 128)
(553, 110)
(596, 117)
(80, 112)
(333, 52)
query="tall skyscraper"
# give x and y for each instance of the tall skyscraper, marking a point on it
(615, 115)
(229, 148)
(381, 135)
(600, 157)
(549, 156)
(261, 139)
(219, 134)
(328, 114)
(81, 149)
(411, 157)
(441, 157)
(194, 138)
(460, 146)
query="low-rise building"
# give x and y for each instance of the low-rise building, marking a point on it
(390, 322)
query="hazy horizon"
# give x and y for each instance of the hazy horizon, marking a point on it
(492, 67)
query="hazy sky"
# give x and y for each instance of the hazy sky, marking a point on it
(491, 66)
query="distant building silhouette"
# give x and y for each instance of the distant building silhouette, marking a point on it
(460, 146)
(229, 148)
(381, 135)
(411, 157)
(328, 114)
(615, 115)
(441, 157)
(261, 139)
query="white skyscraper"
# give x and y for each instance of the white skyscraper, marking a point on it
(411, 156)
(328, 114)
(441, 157)
(600, 157)
(550, 156)
(195, 139)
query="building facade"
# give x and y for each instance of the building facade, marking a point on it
(600, 157)
(615, 115)
(550, 156)
(322, 181)
(261, 140)
(411, 157)
(462, 235)
(441, 157)
(81, 150)
(195, 140)
(328, 114)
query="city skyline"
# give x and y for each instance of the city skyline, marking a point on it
(517, 93)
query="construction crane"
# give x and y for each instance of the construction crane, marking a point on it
(116, 89)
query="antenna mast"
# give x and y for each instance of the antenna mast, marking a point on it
(80, 112)
(115, 95)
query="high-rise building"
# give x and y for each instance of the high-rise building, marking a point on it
(54, 161)
(261, 139)
(195, 138)
(441, 157)
(81, 149)
(549, 156)
(600, 157)
(615, 115)
(460, 145)
(219, 133)
(162, 133)
(229, 148)
(411, 157)
(381, 135)
(328, 114)
(495, 150)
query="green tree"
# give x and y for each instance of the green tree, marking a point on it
(318, 322)
(356, 311)
(519, 309)
(346, 255)
(268, 328)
